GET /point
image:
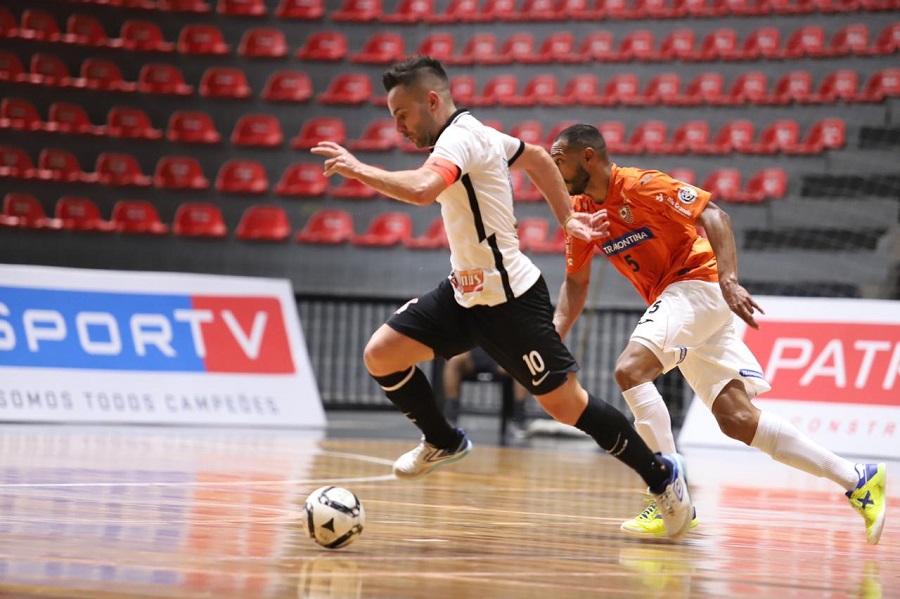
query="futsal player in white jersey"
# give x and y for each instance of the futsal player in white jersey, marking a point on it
(495, 297)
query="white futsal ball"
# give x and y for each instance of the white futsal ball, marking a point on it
(334, 517)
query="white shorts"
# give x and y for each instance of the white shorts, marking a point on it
(691, 326)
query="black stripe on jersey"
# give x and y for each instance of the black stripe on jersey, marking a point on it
(482, 236)
(517, 154)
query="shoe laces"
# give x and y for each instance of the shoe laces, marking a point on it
(650, 510)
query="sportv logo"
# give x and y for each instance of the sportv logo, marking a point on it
(48, 328)
(830, 361)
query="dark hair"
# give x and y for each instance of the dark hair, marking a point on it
(581, 136)
(412, 70)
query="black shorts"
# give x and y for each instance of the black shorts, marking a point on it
(518, 334)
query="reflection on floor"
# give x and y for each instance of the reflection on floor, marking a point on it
(116, 512)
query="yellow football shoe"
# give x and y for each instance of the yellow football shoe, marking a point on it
(869, 499)
(649, 523)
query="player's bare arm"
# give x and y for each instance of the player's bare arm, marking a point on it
(542, 172)
(572, 297)
(717, 224)
(420, 187)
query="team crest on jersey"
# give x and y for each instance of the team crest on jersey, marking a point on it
(626, 214)
(687, 195)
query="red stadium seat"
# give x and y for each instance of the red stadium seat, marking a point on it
(347, 88)
(224, 82)
(704, 8)
(264, 223)
(555, 130)
(808, 41)
(650, 137)
(616, 10)
(137, 217)
(580, 10)
(409, 11)
(202, 39)
(24, 210)
(679, 44)
(887, 41)
(662, 9)
(500, 86)
(179, 172)
(688, 137)
(188, 6)
(613, 133)
(825, 134)
(328, 226)
(16, 163)
(381, 48)
(793, 86)
(327, 46)
(523, 189)
(463, 88)
(320, 129)
(39, 25)
(837, 85)
(120, 169)
(9, 27)
(540, 90)
(598, 46)
(104, 75)
(734, 136)
(459, 11)
(242, 176)
(302, 179)
(434, 237)
(685, 175)
(144, 36)
(380, 135)
(748, 8)
(11, 68)
(258, 130)
(582, 89)
(199, 219)
(638, 45)
(531, 132)
(880, 85)
(241, 8)
(438, 45)
(386, 229)
(303, 10)
(849, 40)
(16, 113)
(761, 43)
(88, 31)
(80, 214)
(192, 126)
(167, 79)
(361, 11)
(558, 47)
(717, 45)
(49, 69)
(767, 183)
(518, 48)
(538, 10)
(621, 89)
(778, 136)
(263, 42)
(664, 88)
(837, 6)
(750, 87)
(352, 189)
(479, 48)
(500, 10)
(531, 231)
(60, 165)
(126, 122)
(792, 7)
(288, 86)
(724, 184)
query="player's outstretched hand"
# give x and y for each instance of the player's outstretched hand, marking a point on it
(588, 227)
(740, 302)
(338, 160)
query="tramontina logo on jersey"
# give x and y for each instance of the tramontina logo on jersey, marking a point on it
(56, 328)
(626, 241)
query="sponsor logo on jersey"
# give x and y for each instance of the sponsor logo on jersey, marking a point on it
(626, 241)
(468, 281)
(57, 328)
(687, 195)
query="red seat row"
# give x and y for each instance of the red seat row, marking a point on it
(34, 20)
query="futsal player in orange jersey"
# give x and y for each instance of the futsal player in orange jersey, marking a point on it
(691, 286)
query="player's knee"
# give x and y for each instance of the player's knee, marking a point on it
(628, 372)
(375, 358)
(738, 424)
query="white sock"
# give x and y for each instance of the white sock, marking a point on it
(651, 417)
(786, 444)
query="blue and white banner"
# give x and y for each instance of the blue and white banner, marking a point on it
(108, 346)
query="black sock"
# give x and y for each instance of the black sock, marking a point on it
(612, 431)
(412, 393)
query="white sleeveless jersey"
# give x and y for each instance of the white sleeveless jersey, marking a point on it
(488, 267)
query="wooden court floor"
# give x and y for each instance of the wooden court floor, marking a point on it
(108, 513)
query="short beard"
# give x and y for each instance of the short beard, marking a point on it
(580, 182)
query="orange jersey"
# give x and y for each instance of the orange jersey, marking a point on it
(653, 240)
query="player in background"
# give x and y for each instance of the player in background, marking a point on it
(495, 296)
(691, 286)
